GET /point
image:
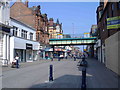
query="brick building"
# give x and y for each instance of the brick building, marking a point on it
(55, 29)
(105, 11)
(33, 17)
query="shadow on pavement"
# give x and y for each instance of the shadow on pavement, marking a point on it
(66, 81)
(102, 77)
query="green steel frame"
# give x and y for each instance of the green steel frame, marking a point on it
(72, 41)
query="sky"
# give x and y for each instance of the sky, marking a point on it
(76, 17)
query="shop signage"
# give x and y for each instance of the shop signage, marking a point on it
(28, 46)
(113, 23)
(5, 29)
(86, 35)
(59, 49)
(59, 36)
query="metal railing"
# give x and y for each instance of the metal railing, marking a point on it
(62, 36)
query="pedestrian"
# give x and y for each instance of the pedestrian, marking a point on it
(74, 56)
(17, 60)
(66, 56)
(46, 56)
(51, 57)
(83, 56)
(60, 57)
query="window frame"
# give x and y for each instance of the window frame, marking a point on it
(15, 31)
(112, 9)
(31, 36)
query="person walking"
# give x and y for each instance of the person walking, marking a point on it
(46, 56)
(60, 57)
(17, 60)
(51, 57)
(74, 56)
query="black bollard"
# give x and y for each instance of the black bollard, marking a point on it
(74, 58)
(51, 73)
(59, 58)
(83, 86)
(17, 64)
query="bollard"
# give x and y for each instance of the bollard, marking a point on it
(83, 86)
(59, 58)
(17, 64)
(51, 73)
(74, 58)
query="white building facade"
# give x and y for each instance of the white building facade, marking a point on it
(23, 42)
(4, 32)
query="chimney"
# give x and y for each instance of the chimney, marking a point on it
(18, 0)
(26, 3)
(51, 21)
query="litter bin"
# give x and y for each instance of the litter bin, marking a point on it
(4, 62)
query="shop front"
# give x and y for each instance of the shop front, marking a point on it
(49, 52)
(29, 52)
(36, 56)
(4, 44)
(21, 53)
(26, 50)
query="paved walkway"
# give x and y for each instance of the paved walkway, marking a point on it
(27, 64)
(67, 75)
(100, 76)
(24, 64)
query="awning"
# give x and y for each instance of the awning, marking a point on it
(49, 49)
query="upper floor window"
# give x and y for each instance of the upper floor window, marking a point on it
(31, 36)
(38, 22)
(15, 31)
(38, 36)
(24, 34)
(112, 7)
(119, 5)
(107, 14)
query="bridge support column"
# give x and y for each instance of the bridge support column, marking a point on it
(92, 51)
(53, 51)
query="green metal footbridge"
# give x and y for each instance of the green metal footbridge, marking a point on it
(72, 41)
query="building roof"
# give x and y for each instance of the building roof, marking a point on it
(44, 15)
(57, 21)
(51, 19)
(23, 23)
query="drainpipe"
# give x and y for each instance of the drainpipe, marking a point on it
(101, 52)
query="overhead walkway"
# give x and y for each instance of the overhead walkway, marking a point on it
(72, 41)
